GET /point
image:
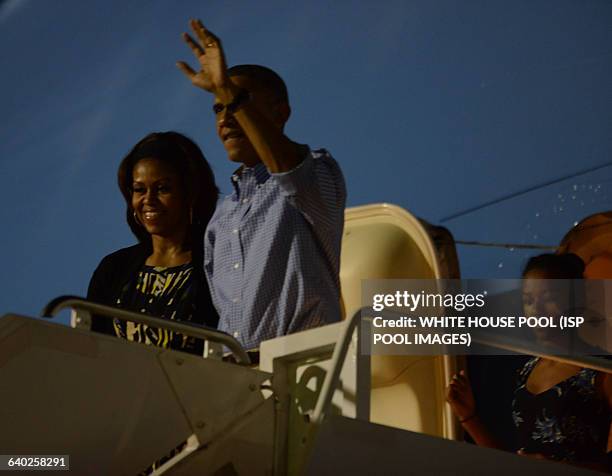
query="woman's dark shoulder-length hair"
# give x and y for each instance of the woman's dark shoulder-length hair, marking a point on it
(194, 172)
(557, 266)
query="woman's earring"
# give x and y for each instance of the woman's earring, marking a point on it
(136, 219)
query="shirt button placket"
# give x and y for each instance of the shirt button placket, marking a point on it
(237, 227)
(235, 237)
(237, 271)
(236, 274)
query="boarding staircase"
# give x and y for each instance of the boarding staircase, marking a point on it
(315, 404)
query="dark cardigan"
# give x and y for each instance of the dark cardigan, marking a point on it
(122, 266)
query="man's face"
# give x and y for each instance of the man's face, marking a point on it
(238, 147)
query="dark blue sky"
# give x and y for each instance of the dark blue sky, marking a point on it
(437, 106)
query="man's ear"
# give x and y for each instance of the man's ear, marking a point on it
(282, 112)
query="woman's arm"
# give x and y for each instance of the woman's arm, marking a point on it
(98, 291)
(460, 397)
(607, 390)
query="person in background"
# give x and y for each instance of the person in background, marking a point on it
(272, 249)
(170, 195)
(561, 412)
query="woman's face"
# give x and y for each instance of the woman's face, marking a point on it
(158, 198)
(543, 296)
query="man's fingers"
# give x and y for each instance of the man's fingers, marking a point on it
(207, 38)
(186, 69)
(197, 49)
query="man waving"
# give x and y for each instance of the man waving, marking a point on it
(272, 248)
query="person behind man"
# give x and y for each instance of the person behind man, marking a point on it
(272, 249)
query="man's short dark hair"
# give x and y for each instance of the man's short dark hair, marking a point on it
(263, 78)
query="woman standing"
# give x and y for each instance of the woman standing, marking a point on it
(170, 194)
(561, 411)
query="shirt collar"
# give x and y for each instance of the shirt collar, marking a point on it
(259, 173)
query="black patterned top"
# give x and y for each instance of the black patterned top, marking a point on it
(568, 422)
(161, 292)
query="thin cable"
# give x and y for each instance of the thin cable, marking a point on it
(507, 245)
(528, 247)
(522, 192)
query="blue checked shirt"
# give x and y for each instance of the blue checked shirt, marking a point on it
(272, 250)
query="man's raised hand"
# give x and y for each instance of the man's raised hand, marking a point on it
(213, 75)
